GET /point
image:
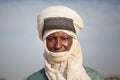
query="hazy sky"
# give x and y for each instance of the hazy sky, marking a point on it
(21, 51)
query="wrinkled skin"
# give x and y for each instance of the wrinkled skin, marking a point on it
(59, 42)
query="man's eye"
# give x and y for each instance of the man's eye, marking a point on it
(50, 39)
(65, 38)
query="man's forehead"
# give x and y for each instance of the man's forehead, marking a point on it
(59, 33)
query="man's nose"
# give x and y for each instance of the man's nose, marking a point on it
(58, 44)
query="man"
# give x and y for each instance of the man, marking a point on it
(58, 28)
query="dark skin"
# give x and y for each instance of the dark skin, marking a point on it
(59, 42)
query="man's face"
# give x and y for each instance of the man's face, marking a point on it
(59, 42)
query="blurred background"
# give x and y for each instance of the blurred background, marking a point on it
(21, 50)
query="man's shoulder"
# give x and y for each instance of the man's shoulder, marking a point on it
(93, 74)
(39, 75)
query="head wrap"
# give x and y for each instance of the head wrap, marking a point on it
(65, 65)
(59, 11)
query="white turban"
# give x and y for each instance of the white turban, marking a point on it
(65, 65)
(59, 11)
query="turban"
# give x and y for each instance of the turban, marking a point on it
(59, 11)
(65, 65)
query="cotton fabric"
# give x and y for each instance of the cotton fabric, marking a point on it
(65, 65)
(59, 11)
(40, 75)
